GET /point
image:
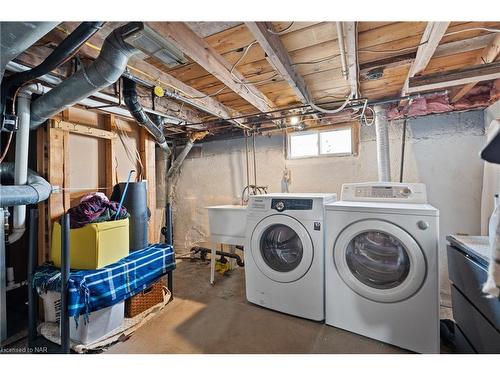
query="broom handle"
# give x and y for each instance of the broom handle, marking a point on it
(124, 193)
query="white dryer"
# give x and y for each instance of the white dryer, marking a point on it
(381, 264)
(284, 253)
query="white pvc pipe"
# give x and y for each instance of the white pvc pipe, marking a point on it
(382, 134)
(21, 164)
(343, 57)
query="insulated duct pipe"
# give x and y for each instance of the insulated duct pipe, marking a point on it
(132, 102)
(36, 189)
(382, 134)
(104, 71)
(16, 37)
(176, 164)
(64, 51)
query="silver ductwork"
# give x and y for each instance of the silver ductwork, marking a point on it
(105, 70)
(382, 134)
(16, 37)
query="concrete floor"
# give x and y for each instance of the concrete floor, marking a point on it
(218, 319)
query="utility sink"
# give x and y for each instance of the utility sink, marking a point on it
(227, 223)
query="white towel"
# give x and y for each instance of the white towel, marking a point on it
(492, 285)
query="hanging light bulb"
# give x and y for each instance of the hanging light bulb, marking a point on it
(294, 120)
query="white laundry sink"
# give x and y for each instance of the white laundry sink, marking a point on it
(227, 223)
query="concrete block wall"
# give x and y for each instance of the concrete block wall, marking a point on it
(441, 151)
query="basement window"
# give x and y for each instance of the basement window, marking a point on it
(337, 142)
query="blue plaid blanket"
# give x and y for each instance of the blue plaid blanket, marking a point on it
(92, 290)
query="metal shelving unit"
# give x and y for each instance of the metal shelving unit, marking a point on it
(65, 347)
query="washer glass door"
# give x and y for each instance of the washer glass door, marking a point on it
(379, 261)
(282, 248)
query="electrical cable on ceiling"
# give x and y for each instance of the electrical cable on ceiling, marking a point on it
(473, 29)
(425, 42)
(336, 110)
(326, 58)
(281, 31)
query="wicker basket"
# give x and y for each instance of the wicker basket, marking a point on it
(146, 299)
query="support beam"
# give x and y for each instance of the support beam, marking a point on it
(488, 55)
(351, 40)
(430, 40)
(277, 56)
(455, 77)
(207, 57)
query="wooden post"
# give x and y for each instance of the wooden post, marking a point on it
(55, 174)
(147, 153)
(41, 166)
(109, 125)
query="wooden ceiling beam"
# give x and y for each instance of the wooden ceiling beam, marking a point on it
(209, 59)
(488, 55)
(456, 77)
(150, 73)
(429, 42)
(277, 55)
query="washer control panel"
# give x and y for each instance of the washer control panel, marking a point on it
(281, 205)
(385, 191)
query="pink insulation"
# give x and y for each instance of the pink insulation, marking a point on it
(479, 96)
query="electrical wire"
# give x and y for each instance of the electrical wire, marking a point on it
(4, 154)
(281, 31)
(326, 58)
(133, 158)
(473, 29)
(425, 42)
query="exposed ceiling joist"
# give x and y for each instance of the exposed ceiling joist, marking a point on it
(152, 74)
(350, 33)
(207, 57)
(278, 57)
(488, 55)
(431, 37)
(441, 80)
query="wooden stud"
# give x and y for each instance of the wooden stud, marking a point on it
(488, 55)
(147, 153)
(43, 230)
(55, 174)
(110, 158)
(66, 168)
(83, 129)
(431, 37)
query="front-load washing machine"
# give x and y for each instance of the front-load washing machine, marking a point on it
(381, 264)
(284, 253)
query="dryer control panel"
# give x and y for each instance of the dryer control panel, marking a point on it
(384, 192)
(281, 205)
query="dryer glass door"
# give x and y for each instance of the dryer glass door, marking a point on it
(282, 248)
(379, 261)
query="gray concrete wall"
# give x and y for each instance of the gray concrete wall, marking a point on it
(442, 152)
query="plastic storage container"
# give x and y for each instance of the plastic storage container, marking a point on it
(101, 323)
(93, 246)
